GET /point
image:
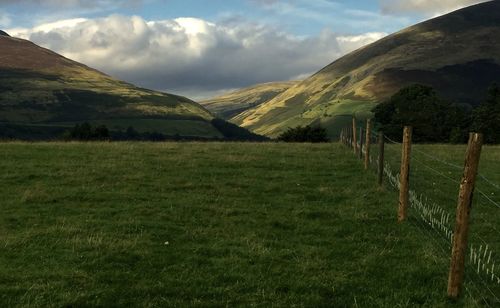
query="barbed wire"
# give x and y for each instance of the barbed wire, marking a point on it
(486, 223)
(485, 284)
(445, 250)
(444, 244)
(471, 284)
(438, 159)
(391, 141)
(434, 222)
(488, 198)
(436, 171)
(489, 181)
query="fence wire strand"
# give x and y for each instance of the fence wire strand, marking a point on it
(435, 211)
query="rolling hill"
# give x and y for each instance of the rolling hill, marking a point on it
(42, 94)
(458, 54)
(234, 103)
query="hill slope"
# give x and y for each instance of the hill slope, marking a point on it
(42, 93)
(234, 103)
(458, 54)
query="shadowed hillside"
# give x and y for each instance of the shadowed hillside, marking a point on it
(44, 93)
(458, 54)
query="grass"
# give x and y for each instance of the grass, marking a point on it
(194, 224)
(436, 171)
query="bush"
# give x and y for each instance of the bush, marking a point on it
(85, 132)
(304, 134)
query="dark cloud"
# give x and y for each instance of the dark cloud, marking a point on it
(188, 55)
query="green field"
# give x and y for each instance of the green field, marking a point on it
(209, 224)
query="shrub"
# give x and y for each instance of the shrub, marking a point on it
(304, 134)
(85, 132)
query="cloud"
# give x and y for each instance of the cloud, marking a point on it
(349, 43)
(188, 55)
(431, 7)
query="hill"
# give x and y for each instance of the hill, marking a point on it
(43, 93)
(458, 54)
(234, 103)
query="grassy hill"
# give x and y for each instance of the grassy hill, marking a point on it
(43, 93)
(458, 54)
(188, 224)
(234, 103)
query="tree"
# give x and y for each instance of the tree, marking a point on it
(433, 119)
(101, 133)
(132, 134)
(85, 132)
(486, 117)
(304, 134)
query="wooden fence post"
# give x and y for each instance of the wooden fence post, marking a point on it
(360, 142)
(381, 149)
(368, 143)
(457, 267)
(346, 135)
(349, 136)
(404, 179)
(354, 141)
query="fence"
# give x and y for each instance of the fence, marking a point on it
(429, 178)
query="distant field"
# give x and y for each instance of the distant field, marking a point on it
(208, 224)
(183, 127)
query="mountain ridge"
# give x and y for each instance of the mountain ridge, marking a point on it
(40, 88)
(233, 103)
(457, 53)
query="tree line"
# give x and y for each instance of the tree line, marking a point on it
(435, 119)
(88, 132)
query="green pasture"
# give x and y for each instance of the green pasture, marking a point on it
(209, 225)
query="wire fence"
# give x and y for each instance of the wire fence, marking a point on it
(435, 177)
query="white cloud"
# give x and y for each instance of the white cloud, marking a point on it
(349, 43)
(60, 25)
(431, 7)
(189, 55)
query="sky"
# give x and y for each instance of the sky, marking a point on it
(202, 48)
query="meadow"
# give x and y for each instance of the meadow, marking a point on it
(209, 224)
